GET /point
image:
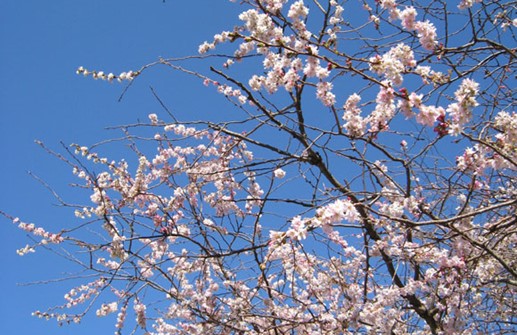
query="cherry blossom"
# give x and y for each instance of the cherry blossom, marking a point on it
(396, 129)
(324, 93)
(279, 173)
(355, 124)
(426, 34)
(464, 4)
(129, 75)
(394, 63)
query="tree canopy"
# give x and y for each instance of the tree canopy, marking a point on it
(361, 180)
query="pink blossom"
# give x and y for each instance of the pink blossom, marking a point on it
(298, 229)
(25, 250)
(461, 110)
(121, 316)
(260, 26)
(279, 173)
(139, 309)
(276, 236)
(384, 109)
(506, 123)
(426, 34)
(298, 10)
(106, 309)
(391, 6)
(337, 211)
(428, 114)
(406, 105)
(336, 18)
(255, 82)
(393, 64)
(355, 124)
(408, 16)
(324, 93)
(464, 4)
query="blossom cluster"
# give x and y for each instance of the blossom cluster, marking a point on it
(139, 309)
(232, 92)
(106, 309)
(378, 119)
(428, 75)
(129, 75)
(75, 297)
(461, 110)
(355, 124)
(46, 237)
(477, 159)
(426, 30)
(464, 4)
(393, 63)
(283, 70)
(506, 123)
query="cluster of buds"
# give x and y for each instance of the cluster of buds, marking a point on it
(441, 128)
(130, 75)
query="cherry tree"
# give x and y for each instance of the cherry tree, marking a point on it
(363, 180)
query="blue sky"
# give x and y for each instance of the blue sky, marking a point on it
(41, 97)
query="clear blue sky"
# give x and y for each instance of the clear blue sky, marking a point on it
(41, 97)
